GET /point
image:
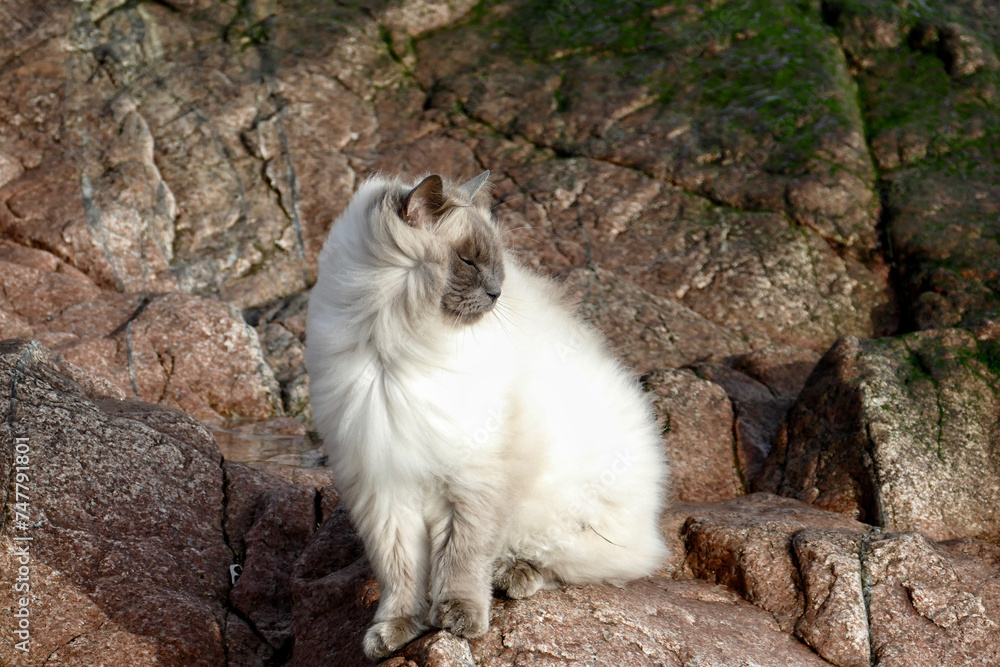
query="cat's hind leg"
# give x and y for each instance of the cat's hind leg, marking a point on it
(518, 578)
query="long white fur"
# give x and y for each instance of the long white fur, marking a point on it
(416, 409)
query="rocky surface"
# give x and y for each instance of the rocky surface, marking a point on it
(887, 428)
(122, 565)
(933, 133)
(729, 190)
(855, 594)
(696, 417)
(659, 622)
(133, 522)
(184, 351)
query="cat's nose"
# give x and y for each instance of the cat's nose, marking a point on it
(492, 288)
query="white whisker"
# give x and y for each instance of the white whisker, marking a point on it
(502, 312)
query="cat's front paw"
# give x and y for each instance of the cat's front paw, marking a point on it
(386, 637)
(461, 617)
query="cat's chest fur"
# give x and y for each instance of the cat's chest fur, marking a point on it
(426, 415)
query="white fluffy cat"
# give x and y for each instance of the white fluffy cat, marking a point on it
(480, 433)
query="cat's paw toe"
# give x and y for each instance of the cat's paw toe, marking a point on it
(386, 637)
(461, 617)
(519, 580)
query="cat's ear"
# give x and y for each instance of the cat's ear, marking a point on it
(475, 185)
(424, 204)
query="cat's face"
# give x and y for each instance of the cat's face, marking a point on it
(459, 216)
(475, 272)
